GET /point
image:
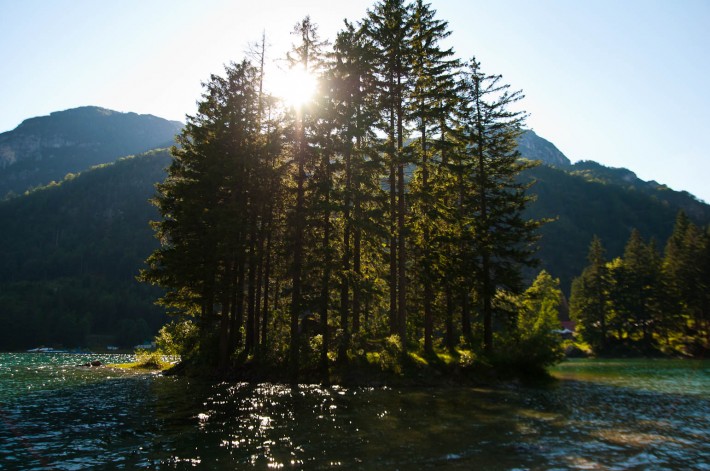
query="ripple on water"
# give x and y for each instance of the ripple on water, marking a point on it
(135, 422)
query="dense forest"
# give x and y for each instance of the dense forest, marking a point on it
(647, 301)
(33, 258)
(70, 255)
(292, 236)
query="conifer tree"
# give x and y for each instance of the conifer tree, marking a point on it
(350, 77)
(305, 56)
(206, 204)
(589, 298)
(687, 276)
(638, 283)
(432, 103)
(388, 27)
(500, 238)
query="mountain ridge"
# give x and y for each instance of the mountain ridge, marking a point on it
(46, 148)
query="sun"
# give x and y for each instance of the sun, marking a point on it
(295, 86)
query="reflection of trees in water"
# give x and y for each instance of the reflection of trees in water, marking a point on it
(146, 420)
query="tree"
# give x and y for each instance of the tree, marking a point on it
(433, 98)
(687, 276)
(499, 239)
(536, 331)
(589, 298)
(388, 27)
(638, 289)
(305, 56)
(350, 82)
(207, 204)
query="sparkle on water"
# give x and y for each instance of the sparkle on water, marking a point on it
(56, 415)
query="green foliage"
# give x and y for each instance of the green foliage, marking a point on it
(589, 303)
(645, 303)
(153, 360)
(178, 338)
(392, 354)
(534, 342)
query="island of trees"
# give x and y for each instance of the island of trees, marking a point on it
(378, 224)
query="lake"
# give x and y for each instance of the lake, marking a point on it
(611, 414)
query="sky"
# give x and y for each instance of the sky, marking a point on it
(621, 82)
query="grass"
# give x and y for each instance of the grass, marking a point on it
(147, 361)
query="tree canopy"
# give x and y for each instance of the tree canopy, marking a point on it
(385, 207)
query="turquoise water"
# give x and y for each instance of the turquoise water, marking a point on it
(600, 415)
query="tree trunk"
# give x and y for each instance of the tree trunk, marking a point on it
(345, 273)
(401, 233)
(450, 340)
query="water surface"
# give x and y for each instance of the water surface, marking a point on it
(54, 415)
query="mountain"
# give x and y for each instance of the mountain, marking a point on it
(534, 147)
(69, 251)
(587, 199)
(46, 148)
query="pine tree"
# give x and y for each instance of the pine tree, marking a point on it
(500, 238)
(305, 56)
(687, 276)
(350, 78)
(432, 103)
(388, 27)
(588, 302)
(637, 289)
(206, 205)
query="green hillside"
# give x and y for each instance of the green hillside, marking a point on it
(70, 252)
(582, 208)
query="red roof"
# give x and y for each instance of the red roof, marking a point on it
(569, 325)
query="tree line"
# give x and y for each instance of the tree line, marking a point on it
(647, 301)
(386, 207)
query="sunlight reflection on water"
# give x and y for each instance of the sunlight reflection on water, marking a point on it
(94, 418)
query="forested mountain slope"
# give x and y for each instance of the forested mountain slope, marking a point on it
(69, 252)
(587, 198)
(46, 148)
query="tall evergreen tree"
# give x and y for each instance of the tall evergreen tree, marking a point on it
(304, 56)
(206, 204)
(432, 102)
(589, 298)
(687, 276)
(638, 283)
(388, 26)
(501, 239)
(350, 78)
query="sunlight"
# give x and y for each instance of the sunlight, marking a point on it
(295, 86)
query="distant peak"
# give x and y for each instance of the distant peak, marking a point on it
(534, 147)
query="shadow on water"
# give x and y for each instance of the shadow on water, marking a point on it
(175, 423)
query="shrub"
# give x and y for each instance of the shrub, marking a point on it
(153, 360)
(177, 338)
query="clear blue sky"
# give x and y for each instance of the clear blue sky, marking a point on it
(624, 83)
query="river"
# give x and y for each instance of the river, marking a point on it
(634, 414)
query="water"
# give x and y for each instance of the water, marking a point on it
(600, 415)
